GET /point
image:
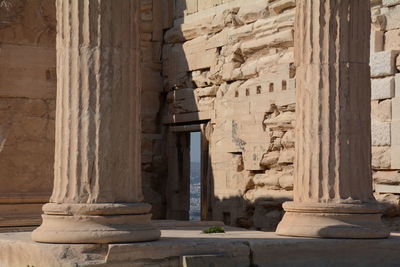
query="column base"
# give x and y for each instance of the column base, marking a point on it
(332, 221)
(96, 223)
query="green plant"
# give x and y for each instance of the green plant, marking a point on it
(214, 229)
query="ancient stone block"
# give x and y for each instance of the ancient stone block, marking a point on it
(28, 23)
(395, 133)
(383, 63)
(390, 2)
(270, 179)
(287, 156)
(398, 63)
(395, 159)
(397, 84)
(206, 4)
(393, 18)
(284, 38)
(381, 110)
(396, 109)
(381, 157)
(377, 40)
(286, 181)
(382, 88)
(27, 149)
(249, 13)
(392, 40)
(279, 6)
(380, 132)
(270, 159)
(27, 71)
(386, 177)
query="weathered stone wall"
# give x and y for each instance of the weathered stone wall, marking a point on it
(231, 63)
(27, 106)
(385, 86)
(156, 16)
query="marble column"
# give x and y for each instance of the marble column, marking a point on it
(97, 194)
(333, 185)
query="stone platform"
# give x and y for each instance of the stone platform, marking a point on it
(184, 245)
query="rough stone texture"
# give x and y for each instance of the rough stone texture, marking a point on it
(383, 63)
(382, 110)
(382, 88)
(27, 107)
(97, 186)
(183, 245)
(380, 133)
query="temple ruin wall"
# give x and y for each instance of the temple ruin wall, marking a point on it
(226, 65)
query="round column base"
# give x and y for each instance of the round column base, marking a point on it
(96, 223)
(332, 221)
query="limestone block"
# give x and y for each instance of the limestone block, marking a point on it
(381, 111)
(286, 181)
(398, 63)
(196, 54)
(283, 120)
(378, 22)
(382, 88)
(206, 4)
(187, 31)
(279, 6)
(393, 18)
(392, 40)
(395, 133)
(210, 91)
(237, 34)
(383, 63)
(203, 60)
(396, 109)
(274, 24)
(249, 13)
(386, 177)
(395, 158)
(381, 157)
(286, 157)
(191, 7)
(27, 149)
(200, 78)
(397, 84)
(27, 71)
(218, 40)
(390, 2)
(270, 159)
(377, 40)
(28, 23)
(270, 179)
(380, 133)
(260, 193)
(252, 155)
(283, 39)
(288, 139)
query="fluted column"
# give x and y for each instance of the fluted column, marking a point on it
(333, 185)
(97, 189)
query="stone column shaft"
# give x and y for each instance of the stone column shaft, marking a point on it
(97, 189)
(333, 185)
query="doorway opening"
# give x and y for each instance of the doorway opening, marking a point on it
(188, 186)
(195, 176)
